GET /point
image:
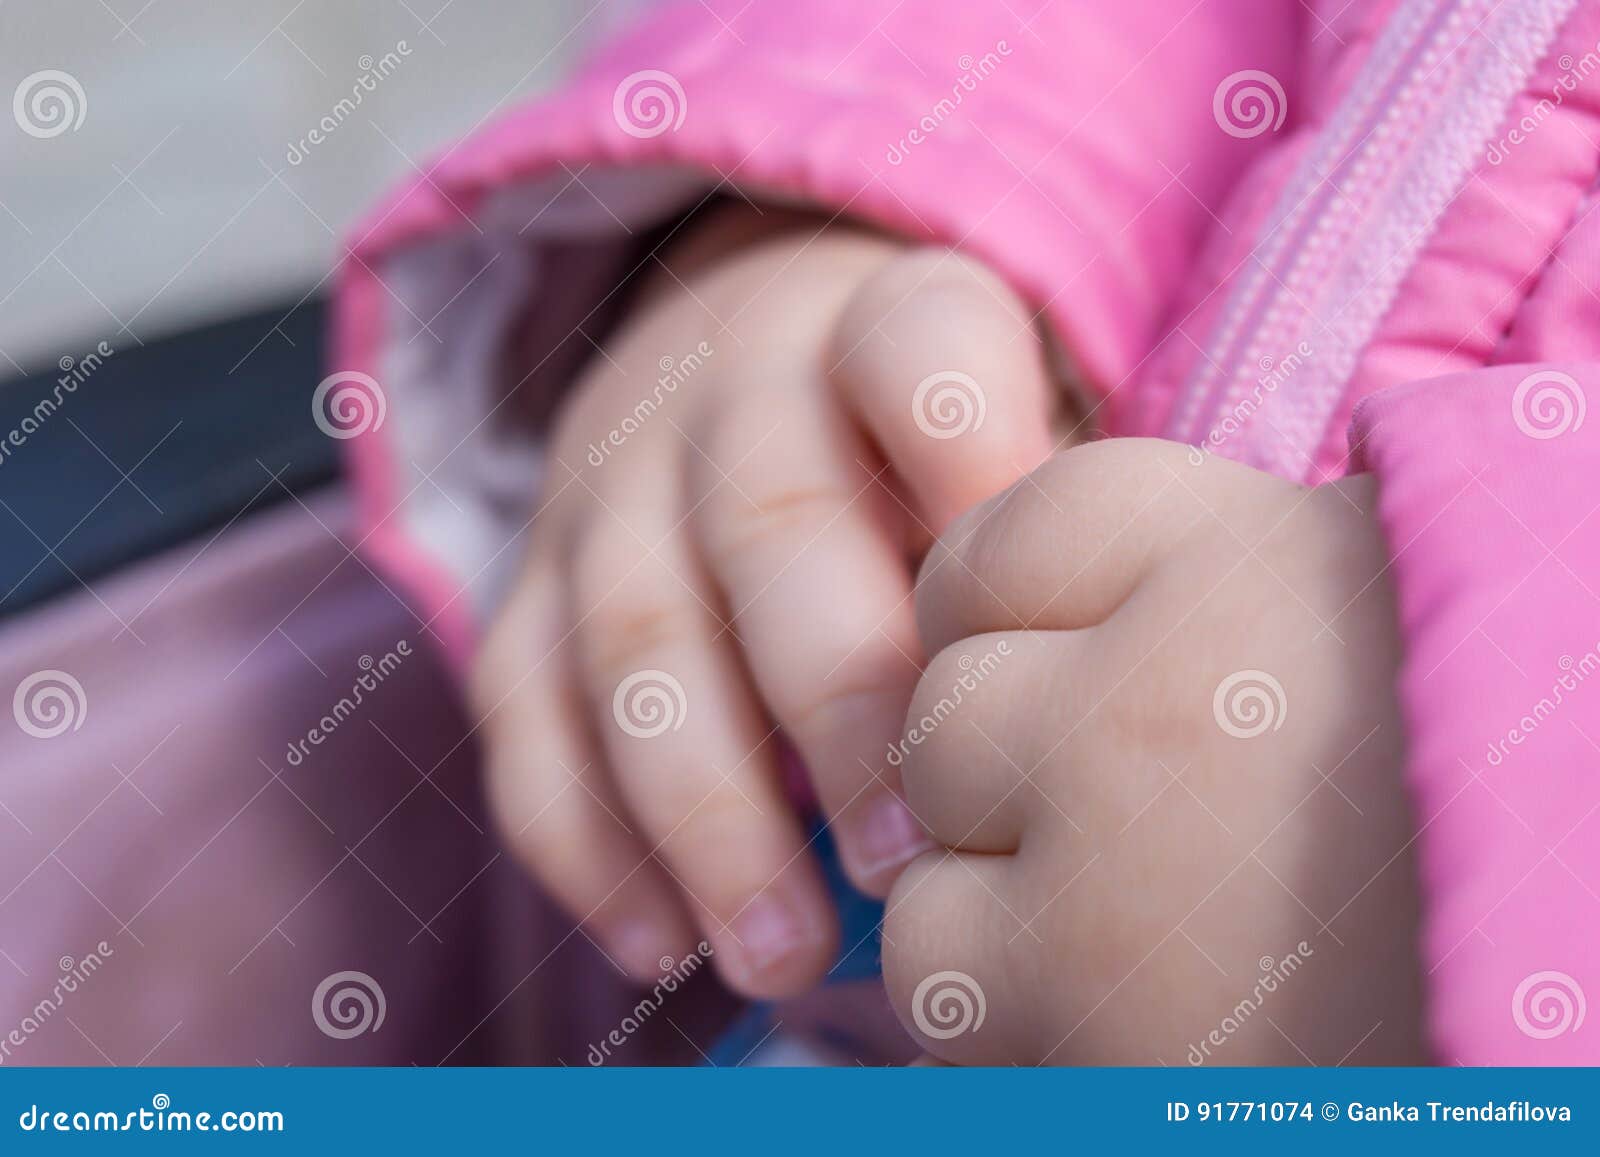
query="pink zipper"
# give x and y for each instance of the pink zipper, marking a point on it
(1354, 215)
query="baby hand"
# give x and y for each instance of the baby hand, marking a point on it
(1159, 737)
(736, 494)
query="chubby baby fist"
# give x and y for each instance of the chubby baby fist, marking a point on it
(1159, 742)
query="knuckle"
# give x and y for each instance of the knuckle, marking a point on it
(881, 293)
(1078, 470)
(908, 304)
(903, 275)
(1086, 467)
(986, 546)
(788, 516)
(841, 710)
(1160, 712)
(946, 693)
(631, 632)
(629, 611)
(943, 672)
(977, 700)
(905, 283)
(954, 685)
(952, 291)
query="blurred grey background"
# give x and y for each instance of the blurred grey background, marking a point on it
(174, 201)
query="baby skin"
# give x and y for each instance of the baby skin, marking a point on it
(738, 492)
(1146, 805)
(1171, 814)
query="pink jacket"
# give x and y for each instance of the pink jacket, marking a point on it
(1320, 237)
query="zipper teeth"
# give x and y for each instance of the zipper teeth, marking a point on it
(1358, 232)
(1388, 57)
(1325, 233)
(1369, 277)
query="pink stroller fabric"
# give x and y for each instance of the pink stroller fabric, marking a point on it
(180, 885)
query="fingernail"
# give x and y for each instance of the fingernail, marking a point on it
(768, 931)
(886, 835)
(639, 947)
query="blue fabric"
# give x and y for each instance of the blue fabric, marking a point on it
(215, 400)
